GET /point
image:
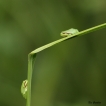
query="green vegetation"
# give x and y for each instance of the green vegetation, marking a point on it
(33, 54)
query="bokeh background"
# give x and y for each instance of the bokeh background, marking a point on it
(71, 73)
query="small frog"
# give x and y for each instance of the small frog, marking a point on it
(71, 31)
(24, 88)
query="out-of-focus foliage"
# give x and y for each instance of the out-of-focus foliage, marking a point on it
(69, 74)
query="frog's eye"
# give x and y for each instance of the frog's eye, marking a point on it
(24, 88)
(25, 83)
(66, 33)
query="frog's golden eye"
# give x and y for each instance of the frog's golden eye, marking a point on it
(66, 33)
(25, 83)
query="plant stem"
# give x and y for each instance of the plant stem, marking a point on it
(32, 55)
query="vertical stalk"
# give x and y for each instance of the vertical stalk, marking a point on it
(30, 70)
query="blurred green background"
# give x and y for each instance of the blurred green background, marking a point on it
(72, 73)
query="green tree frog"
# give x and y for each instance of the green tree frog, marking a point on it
(24, 88)
(71, 31)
